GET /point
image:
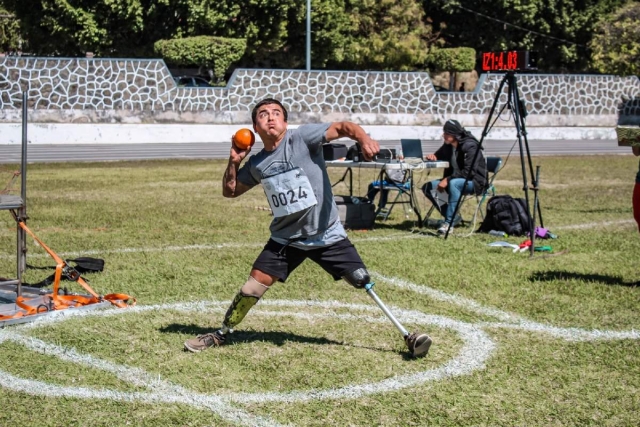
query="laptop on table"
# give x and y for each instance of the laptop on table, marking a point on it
(412, 149)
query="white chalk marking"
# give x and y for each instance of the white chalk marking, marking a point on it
(516, 322)
(594, 224)
(401, 236)
(197, 247)
(465, 303)
(475, 351)
(163, 391)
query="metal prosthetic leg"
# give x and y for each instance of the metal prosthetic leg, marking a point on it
(418, 343)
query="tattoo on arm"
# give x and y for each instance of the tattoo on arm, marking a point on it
(229, 180)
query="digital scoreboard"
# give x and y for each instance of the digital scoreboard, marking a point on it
(510, 60)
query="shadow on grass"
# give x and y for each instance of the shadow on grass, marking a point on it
(384, 225)
(276, 338)
(548, 276)
(407, 225)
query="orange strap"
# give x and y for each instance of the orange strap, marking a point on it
(120, 300)
(13, 316)
(61, 302)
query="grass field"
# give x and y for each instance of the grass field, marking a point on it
(518, 341)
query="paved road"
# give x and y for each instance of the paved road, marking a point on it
(38, 153)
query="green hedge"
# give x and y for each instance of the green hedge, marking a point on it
(214, 53)
(453, 59)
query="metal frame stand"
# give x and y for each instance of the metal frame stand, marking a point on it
(18, 208)
(516, 105)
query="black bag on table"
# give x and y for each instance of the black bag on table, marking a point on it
(334, 151)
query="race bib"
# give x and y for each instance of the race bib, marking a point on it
(289, 192)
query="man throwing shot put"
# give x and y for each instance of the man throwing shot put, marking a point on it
(305, 224)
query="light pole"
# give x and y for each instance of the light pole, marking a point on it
(308, 35)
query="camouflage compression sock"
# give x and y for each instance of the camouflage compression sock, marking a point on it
(239, 308)
(247, 297)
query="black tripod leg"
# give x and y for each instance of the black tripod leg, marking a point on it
(536, 203)
(487, 127)
(519, 112)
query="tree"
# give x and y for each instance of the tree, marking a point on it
(559, 30)
(387, 35)
(453, 60)
(353, 34)
(616, 45)
(73, 27)
(212, 53)
(112, 28)
(10, 36)
(346, 34)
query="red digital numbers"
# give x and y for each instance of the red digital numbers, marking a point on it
(501, 61)
(512, 60)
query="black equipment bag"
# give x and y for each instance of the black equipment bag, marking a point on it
(504, 213)
(334, 151)
(88, 265)
(82, 265)
(355, 153)
(385, 154)
(356, 213)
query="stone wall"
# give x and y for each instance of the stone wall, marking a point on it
(81, 90)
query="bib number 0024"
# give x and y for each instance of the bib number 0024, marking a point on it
(289, 192)
(283, 199)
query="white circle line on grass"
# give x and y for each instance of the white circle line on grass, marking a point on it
(208, 247)
(476, 349)
(509, 320)
(163, 391)
(199, 247)
(595, 224)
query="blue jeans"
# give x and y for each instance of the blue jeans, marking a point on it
(454, 188)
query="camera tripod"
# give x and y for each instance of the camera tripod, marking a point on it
(519, 113)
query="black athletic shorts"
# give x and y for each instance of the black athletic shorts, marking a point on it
(280, 260)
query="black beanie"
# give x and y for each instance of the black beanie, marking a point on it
(453, 127)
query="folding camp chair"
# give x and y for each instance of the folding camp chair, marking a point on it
(493, 166)
(402, 196)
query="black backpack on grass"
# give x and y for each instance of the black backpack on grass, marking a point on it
(504, 213)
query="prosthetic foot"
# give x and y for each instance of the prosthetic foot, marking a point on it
(418, 344)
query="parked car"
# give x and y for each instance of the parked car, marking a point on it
(441, 88)
(191, 81)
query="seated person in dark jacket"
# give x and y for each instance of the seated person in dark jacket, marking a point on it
(459, 149)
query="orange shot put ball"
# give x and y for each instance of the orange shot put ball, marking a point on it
(244, 138)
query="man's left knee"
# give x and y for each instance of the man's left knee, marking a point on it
(358, 278)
